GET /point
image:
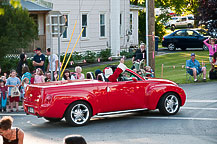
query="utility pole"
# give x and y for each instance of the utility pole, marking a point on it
(150, 33)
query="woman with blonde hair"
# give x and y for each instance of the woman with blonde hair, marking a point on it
(78, 71)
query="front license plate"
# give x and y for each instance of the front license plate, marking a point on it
(31, 110)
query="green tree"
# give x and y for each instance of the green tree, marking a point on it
(17, 29)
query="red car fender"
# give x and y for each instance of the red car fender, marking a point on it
(155, 92)
(63, 102)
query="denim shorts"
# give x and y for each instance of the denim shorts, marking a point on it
(198, 71)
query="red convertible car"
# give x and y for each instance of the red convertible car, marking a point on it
(79, 100)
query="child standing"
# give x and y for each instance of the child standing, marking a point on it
(39, 78)
(3, 98)
(13, 81)
(212, 47)
(26, 73)
(25, 83)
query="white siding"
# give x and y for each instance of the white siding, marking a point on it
(74, 9)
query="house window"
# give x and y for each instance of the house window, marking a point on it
(84, 25)
(65, 33)
(120, 24)
(102, 25)
(131, 23)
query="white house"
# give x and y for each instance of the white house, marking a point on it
(107, 24)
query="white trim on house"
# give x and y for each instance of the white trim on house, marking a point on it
(87, 26)
(105, 22)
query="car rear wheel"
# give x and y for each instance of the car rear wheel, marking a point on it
(171, 47)
(205, 47)
(169, 104)
(78, 113)
(53, 119)
(183, 49)
(190, 26)
(173, 27)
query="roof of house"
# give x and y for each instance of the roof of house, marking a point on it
(30, 6)
(136, 7)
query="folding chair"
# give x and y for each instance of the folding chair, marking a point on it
(190, 77)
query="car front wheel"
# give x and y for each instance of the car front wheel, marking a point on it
(78, 113)
(205, 47)
(169, 104)
(190, 26)
(171, 47)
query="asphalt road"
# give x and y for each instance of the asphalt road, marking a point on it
(196, 123)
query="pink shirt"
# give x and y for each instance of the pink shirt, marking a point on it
(39, 79)
(211, 50)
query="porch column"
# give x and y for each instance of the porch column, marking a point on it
(115, 27)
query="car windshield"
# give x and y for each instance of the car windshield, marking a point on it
(202, 32)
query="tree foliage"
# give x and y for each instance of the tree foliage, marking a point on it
(17, 29)
(207, 15)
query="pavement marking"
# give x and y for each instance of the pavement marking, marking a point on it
(201, 101)
(10, 114)
(180, 118)
(198, 108)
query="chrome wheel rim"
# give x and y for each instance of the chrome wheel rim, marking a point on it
(171, 104)
(80, 113)
(171, 46)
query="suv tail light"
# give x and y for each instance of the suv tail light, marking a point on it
(163, 38)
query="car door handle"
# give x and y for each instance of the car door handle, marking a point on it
(108, 89)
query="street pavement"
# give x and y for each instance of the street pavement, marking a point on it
(196, 123)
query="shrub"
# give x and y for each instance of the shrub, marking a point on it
(90, 56)
(126, 54)
(105, 54)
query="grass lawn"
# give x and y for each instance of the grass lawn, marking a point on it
(173, 65)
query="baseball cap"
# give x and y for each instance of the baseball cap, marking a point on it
(37, 49)
(192, 54)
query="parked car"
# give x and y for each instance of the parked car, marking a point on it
(183, 21)
(79, 100)
(185, 38)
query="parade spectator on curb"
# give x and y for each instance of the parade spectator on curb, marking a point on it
(78, 71)
(139, 55)
(74, 139)
(10, 135)
(194, 68)
(3, 96)
(39, 76)
(212, 47)
(39, 59)
(67, 75)
(54, 63)
(26, 73)
(21, 64)
(13, 81)
(214, 61)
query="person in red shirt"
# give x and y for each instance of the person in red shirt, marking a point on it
(3, 93)
(112, 77)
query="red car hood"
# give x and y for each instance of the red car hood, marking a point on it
(161, 81)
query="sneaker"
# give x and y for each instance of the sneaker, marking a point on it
(195, 80)
(204, 79)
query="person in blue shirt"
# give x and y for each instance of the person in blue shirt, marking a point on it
(194, 68)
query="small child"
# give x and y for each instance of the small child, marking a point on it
(3, 98)
(25, 83)
(48, 77)
(39, 78)
(26, 73)
(149, 72)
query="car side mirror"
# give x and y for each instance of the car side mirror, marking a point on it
(134, 79)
